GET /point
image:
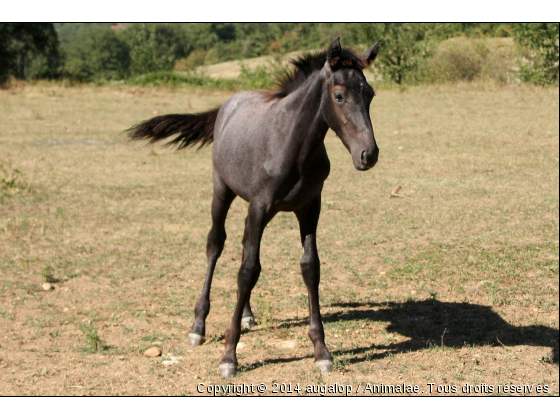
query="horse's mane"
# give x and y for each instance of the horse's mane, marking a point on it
(308, 63)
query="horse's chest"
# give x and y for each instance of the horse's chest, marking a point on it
(301, 189)
(303, 192)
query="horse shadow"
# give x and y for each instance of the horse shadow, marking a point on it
(424, 323)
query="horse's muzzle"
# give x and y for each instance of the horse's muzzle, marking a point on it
(368, 159)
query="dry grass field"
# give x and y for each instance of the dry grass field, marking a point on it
(232, 69)
(455, 283)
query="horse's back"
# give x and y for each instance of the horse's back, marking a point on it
(239, 112)
(241, 136)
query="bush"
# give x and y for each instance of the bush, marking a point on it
(465, 60)
(539, 42)
(170, 79)
(212, 57)
(195, 59)
(257, 79)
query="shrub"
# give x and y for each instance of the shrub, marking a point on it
(464, 60)
(10, 177)
(212, 57)
(170, 79)
(258, 79)
(93, 343)
(539, 42)
(195, 59)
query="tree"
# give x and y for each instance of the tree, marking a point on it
(154, 47)
(540, 41)
(403, 45)
(21, 43)
(96, 52)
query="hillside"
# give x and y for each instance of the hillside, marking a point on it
(232, 69)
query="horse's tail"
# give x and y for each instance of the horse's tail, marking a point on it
(192, 129)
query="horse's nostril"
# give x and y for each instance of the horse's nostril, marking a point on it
(364, 157)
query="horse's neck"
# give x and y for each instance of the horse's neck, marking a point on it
(308, 130)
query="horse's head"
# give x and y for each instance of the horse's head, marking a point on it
(346, 99)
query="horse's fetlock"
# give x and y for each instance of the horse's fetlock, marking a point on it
(202, 309)
(316, 333)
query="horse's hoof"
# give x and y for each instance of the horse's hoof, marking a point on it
(195, 339)
(247, 322)
(228, 370)
(324, 365)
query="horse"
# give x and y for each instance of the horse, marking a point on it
(268, 149)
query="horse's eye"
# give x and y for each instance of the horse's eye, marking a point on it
(338, 97)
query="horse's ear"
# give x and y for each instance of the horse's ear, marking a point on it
(333, 53)
(371, 54)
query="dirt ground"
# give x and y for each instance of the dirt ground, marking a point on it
(454, 284)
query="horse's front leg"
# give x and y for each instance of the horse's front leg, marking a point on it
(308, 218)
(246, 280)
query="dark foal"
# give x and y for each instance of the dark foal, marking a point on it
(269, 150)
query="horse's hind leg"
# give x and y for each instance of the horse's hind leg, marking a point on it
(308, 218)
(247, 319)
(223, 197)
(246, 280)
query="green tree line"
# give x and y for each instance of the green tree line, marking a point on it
(111, 51)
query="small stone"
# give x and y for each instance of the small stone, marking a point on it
(169, 362)
(47, 286)
(382, 273)
(153, 352)
(413, 292)
(65, 309)
(289, 344)
(240, 345)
